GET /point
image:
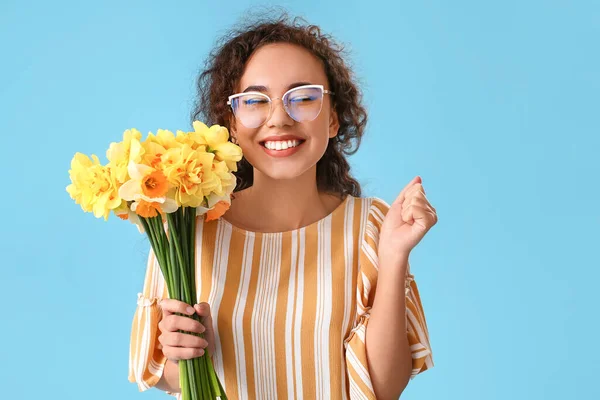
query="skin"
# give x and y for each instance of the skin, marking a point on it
(294, 202)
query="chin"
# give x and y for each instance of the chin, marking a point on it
(285, 172)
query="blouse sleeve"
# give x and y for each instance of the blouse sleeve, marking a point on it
(417, 334)
(146, 360)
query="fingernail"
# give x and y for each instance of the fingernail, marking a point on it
(190, 310)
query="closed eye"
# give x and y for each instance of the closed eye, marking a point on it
(302, 99)
(251, 102)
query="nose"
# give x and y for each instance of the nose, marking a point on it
(279, 116)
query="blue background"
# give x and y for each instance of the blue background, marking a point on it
(495, 104)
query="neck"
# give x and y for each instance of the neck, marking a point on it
(281, 205)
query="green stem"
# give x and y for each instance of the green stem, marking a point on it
(175, 243)
(191, 226)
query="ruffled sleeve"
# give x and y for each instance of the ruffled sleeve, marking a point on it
(417, 334)
(146, 360)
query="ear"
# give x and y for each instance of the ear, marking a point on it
(232, 131)
(334, 123)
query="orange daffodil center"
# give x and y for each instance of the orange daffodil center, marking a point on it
(146, 185)
(155, 184)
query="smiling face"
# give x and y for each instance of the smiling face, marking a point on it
(273, 70)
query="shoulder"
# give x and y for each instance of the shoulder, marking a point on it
(371, 211)
(374, 206)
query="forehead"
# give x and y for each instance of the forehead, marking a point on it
(278, 65)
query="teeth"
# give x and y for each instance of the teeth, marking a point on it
(281, 144)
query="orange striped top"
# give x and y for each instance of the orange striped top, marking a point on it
(290, 310)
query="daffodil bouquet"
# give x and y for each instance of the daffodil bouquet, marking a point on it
(162, 184)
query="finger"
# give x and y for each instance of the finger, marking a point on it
(171, 306)
(402, 195)
(426, 216)
(417, 200)
(414, 190)
(173, 323)
(176, 339)
(182, 353)
(202, 309)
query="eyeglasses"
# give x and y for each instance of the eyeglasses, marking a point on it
(302, 103)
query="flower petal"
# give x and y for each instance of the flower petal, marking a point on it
(130, 190)
(138, 171)
(214, 199)
(169, 206)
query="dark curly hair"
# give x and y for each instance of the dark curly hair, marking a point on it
(223, 71)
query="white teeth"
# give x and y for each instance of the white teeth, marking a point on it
(281, 145)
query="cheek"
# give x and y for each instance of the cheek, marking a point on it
(320, 127)
(244, 134)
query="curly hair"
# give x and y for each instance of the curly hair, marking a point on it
(223, 71)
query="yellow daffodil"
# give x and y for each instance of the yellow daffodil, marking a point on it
(153, 153)
(163, 137)
(226, 180)
(190, 171)
(217, 139)
(93, 186)
(119, 154)
(193, 139)
(147, 188)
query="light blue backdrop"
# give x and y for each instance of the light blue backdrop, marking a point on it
(495, 104)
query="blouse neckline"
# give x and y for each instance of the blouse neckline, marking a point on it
(285, 233)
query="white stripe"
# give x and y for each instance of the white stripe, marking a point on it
(198, 256)
(256, 342)
(298, 323)
(318, 316)
(144, 346)
(416, 326)
(349, 241)
(275, 266)
(324, 305)
(289, 315)
(420, 354)
(238, 317)
(219, 275)
(366, 286)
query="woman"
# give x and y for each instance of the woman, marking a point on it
(287, 278)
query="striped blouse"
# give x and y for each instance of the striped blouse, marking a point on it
(290, 310)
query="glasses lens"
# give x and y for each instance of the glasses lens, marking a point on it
(304, 104)
(252, 110)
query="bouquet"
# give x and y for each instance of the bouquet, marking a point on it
(162, 184)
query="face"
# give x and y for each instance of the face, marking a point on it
(273, 70)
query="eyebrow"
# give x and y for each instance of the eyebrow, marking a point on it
(263, 89)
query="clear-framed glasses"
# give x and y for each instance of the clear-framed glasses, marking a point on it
(302, 103)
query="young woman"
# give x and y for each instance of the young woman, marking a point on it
(305, 285)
